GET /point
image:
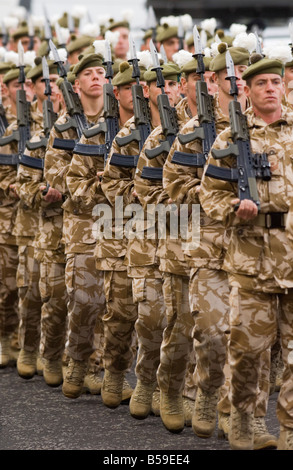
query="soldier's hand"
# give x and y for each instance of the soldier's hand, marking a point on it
(53, 195)
(100, 175)
(247, 209)
(12, 190)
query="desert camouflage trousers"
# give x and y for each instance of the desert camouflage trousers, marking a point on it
(209, 303)
(30, 303)
(119, 322)
(254, 321)
(54, 310)
(176, 345)
(149, 326)
(8, 290)
(86, 308)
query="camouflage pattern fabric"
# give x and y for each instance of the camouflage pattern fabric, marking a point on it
(258, 261)
(30, 304)
(86, 303)
(119, 321)
(177, 339)
(151, 321)
(8, 290)
(54, 309)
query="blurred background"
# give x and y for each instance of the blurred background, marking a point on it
(270, 17)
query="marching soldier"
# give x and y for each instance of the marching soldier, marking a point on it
(170, 381)
(259, 274)
(77, 228)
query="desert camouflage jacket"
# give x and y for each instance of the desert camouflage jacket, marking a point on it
(182, 184)
(9, 205)
(77, 221)
(257, 257)
(164, 251)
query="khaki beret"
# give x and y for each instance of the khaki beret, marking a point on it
(260, 65)
(80, 42)
(21, 31)
(13, 73)
(165, 32)
(63, 21)
(124, 76)
(37, 71)
(117, 24)
(170, 71)
(44, 48)
(88, 60)
(191, 65)
(240, 56)
(5, 67)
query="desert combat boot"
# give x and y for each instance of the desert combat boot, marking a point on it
(52, 372)
(241, 432)
(205, 413)
(141, 400)
(285, 441)
(74, 378)
(27, 364)
(172, 412)
(112, 387)
(4, 351)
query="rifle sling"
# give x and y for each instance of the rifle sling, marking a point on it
(225, 174)
(64, 144)
(188, 159)
(32, 162)
(89, 150)
(9, 159)
(127, 161)
(152, 173)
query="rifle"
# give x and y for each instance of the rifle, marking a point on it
(3, 120)
(140, 106)
(77, 119)
(249, 166)
(22, 134)
(110, 126)
(48, 111)
(141, 117)
(168, 115)
(206, 132)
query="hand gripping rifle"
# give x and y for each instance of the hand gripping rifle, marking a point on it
(110, 126)
(206, 132)
(22, 134)
(77, 119)
(249, 166)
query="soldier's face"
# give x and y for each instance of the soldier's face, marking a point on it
(265, 91)
(189, 86)
(225, 85)
(122, 45)
(39, 87)
(172, 89)
(171, 46)
(123, 94)
(211, 82)
(90, 81)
